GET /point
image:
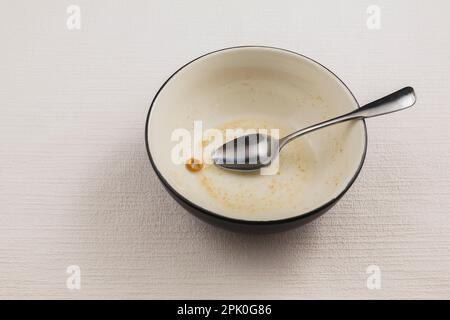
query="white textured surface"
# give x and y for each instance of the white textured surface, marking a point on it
(76, 186)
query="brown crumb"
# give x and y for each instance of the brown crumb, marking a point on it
(194, 165)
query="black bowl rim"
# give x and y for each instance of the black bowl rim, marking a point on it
(243, 221)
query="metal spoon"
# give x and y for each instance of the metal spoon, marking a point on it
(255, 151)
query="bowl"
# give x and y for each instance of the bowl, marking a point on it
(262, 88)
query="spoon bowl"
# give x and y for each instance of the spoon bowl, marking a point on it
(247, 153)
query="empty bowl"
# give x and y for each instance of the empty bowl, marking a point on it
(264, 88)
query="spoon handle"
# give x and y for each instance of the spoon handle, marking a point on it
(399, 100)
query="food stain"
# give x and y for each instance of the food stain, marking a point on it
(255, 193)
(194, 165)
(205, 143)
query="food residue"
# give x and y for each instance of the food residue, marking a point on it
(194, 165)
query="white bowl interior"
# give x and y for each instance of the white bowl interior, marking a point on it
(256, 87)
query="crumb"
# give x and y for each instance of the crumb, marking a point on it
(194, 165)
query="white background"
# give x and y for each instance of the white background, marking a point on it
(76, 186)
